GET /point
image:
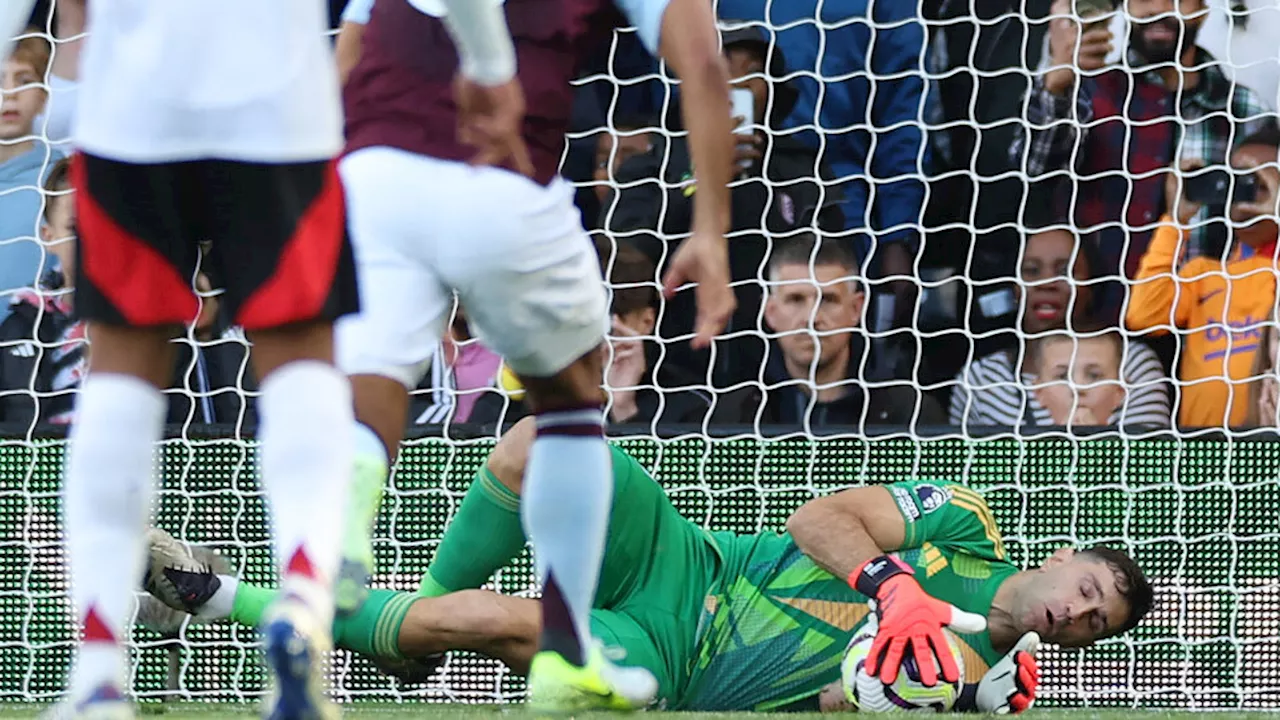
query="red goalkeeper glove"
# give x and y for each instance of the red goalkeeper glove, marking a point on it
(1010, 685)
(909, 616)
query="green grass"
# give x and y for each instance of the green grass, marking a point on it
(427, 711)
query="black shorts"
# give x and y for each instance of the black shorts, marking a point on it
(276, 232)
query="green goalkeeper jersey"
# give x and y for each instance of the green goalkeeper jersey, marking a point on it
(774, 630)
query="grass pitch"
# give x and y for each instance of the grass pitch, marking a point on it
(431, 711)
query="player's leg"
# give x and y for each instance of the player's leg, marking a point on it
(133, 287)
(385, 347)
(486, 534)
(391, 626)
(532, 286)
(279, 239)
(178, 579)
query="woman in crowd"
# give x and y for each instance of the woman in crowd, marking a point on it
(999, 388)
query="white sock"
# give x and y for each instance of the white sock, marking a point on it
(223, 601)
(306, 441)
(107, 495)
(565, 506)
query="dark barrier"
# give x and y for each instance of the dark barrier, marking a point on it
(1202, 516)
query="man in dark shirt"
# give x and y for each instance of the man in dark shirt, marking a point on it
(817, 366)
(783, 184)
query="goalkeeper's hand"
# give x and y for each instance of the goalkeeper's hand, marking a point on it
(1010, 685)
(909, 617)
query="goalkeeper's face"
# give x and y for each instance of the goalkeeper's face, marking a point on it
(1071, 600)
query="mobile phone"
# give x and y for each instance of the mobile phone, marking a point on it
(1213, 188)
(743, 104)
(1208, 188)
(1246, 189)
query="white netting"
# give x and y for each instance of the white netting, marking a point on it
(921, 130)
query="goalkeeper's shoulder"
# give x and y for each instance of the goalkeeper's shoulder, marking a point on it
(949, 514)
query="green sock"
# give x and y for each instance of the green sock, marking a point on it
(250, 603)
(374, 628)
(484, 536)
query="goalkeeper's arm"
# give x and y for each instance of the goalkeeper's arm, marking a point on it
(841, 532)
(849, 534)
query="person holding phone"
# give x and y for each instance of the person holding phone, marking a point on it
(1116, 127)
(781, 185)
(1219, 305)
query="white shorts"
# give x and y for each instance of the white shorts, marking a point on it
(515, 252)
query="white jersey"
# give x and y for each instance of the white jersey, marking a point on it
(171, 80)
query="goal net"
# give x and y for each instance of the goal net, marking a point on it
(1197, 509)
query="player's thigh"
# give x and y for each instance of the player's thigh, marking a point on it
(403, 304)
(279, 242)
(654, 557)
(525, 270)
(629, 643)
(136, 252)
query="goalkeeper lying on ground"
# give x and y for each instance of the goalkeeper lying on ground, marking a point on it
(727, 621)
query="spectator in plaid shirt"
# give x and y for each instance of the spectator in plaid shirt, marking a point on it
(1122, 127)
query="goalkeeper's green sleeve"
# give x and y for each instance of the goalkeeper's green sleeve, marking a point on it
(483, 537)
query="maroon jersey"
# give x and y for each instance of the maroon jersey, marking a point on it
(401, 93)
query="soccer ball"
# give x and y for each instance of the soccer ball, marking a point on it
(906, 692)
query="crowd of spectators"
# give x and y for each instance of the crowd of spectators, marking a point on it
(948, 214)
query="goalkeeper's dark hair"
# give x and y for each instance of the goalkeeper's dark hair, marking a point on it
(1131, 583)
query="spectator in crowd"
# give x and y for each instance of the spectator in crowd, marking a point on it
(1055, 292)
(1219, 303)
(627, 138)
(783, 187)
(43, 344)
(1125, 124)
(815, 369)
(24, 160)
(462, 374)
(1077, 375)
(870, 128)
(643, 387)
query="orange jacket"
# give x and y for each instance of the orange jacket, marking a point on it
(1222, 308)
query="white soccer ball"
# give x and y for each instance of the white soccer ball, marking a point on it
(906, 692)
